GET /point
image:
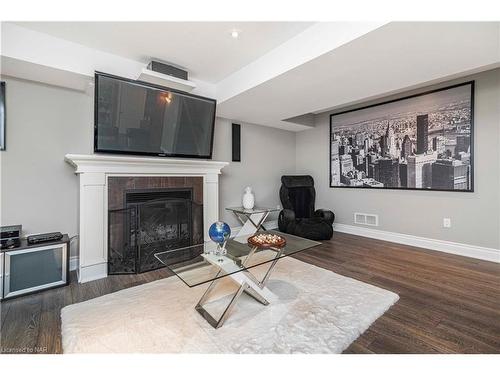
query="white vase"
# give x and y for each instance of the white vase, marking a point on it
(248, 200)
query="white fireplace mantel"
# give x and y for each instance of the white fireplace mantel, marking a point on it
(142, 165)
(94, 171)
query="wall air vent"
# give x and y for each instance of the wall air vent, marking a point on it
(366, 219)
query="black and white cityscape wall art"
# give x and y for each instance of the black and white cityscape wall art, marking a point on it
(2, 116)
(420, 142)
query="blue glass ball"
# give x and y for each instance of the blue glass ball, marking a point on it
(219, 232)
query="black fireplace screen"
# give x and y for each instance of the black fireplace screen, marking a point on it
(142, 229)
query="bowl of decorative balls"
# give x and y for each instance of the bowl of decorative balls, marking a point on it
(266, 240)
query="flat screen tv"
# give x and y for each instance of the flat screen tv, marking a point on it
(133, 117)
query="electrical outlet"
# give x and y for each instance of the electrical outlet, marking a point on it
(446, 222)
(278, 206)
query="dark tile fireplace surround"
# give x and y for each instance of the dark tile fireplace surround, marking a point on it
(151, 214)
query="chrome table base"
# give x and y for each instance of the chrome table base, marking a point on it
(247, 282)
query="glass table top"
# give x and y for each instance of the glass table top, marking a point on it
(255, 210)
(194, 267)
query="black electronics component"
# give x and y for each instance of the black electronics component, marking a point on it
(44, 237)
(236, 135)
(10, 236)
(159, 67)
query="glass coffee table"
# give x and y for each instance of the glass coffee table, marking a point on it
(198, 264)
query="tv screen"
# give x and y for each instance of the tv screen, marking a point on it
(133, 117)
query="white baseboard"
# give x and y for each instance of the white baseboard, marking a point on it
(472, 251)
(93, 272)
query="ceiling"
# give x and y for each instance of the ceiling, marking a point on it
(205, 49)
(394, 58)
(277, 74)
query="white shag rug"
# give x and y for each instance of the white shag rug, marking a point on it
(314, 311)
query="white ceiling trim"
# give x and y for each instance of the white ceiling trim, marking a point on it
(42, 49)
(64, 58)
(315, 41)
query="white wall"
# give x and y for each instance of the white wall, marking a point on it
(475, 216)
(40, 190)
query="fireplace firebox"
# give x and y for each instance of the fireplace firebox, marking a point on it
(151, 220)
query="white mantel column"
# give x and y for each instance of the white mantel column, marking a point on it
(93, 262)
(210, 201)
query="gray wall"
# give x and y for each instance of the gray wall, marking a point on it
(474, 216)
(266, 154)
(40, 190)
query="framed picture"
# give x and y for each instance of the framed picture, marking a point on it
(2, 116)
(419, 142)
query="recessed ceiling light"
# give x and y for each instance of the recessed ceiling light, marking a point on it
(235, 34)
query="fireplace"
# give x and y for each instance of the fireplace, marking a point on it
(103, 181)
(150, 220)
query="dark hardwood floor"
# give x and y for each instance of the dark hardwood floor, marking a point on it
(448, 303)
